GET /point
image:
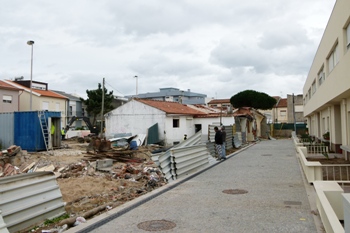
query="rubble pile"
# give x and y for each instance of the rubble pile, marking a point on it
(10, 159)
(90, 179)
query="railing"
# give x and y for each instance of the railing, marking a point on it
(336, 172)
(316, 148)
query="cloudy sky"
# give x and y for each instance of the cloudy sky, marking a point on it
(217, 48)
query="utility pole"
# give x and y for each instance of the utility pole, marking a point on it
(220, 114)
(103, 101)
(295, 126)
(31, 43)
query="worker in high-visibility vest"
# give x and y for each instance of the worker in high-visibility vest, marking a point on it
(52, 131)
(63, 132)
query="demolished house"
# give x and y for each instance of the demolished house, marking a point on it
(170, 120)
(250, 124)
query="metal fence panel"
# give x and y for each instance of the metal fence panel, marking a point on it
(7, 137)
(29, 199)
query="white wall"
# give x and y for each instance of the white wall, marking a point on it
(186, 126)
(135, 118)
(205, 122)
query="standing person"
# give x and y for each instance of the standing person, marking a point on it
(218, 142)
(63, 133)
(52, 131)
(223, 132)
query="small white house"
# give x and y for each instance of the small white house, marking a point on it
(138, 115)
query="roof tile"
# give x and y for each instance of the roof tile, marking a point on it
(171, 107)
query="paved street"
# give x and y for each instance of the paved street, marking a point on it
(259, 189)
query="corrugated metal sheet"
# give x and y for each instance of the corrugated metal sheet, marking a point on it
(237, 140)
(29, 199)
(3, 228)
(184, 158)
(189, 159)
(229, 136)
(7, 129)
(211, 148)
(165, 165)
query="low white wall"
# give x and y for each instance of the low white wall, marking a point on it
(312, 170)
(330, 205)
(346, 205)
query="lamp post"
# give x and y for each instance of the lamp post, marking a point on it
(136, 85)
(30, 42)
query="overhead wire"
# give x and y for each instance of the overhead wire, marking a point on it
(114, 88)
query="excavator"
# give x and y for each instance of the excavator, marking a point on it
(94, 130)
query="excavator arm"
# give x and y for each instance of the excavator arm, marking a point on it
(93, 129)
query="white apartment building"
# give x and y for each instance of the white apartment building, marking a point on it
(326, 92)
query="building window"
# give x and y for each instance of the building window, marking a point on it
(348, 36)
(57, 107)
(7, 99)
(314, 87)
(333, 59)
(309, 93)
(321, 77)
(283, 113)
(70, 111)
(45, 105)
(176, 123)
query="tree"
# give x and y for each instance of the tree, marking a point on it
(254, 99)
(94, 102)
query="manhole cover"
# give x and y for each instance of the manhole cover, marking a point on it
(156, 225)
(292, 203)
(235, 191)
(266, 155)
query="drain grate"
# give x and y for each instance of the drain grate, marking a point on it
(266, 155)
(292, 203)
(156, 225)
(235, 191)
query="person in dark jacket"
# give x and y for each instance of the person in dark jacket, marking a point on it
(218, 142)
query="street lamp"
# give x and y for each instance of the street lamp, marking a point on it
(136, 86)
(30, 42)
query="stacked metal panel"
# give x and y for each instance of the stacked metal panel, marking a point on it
(186, 157)
(29, 199)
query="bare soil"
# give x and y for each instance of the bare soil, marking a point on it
(89, 192)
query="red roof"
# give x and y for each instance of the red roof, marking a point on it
(282, 103)
(244, 111)
(4, 85)
(50, 94)
(219, 101)
(47, 93)
(171, 107)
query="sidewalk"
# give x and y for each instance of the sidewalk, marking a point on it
(273, 199)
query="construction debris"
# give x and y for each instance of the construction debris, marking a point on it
(100, 178)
